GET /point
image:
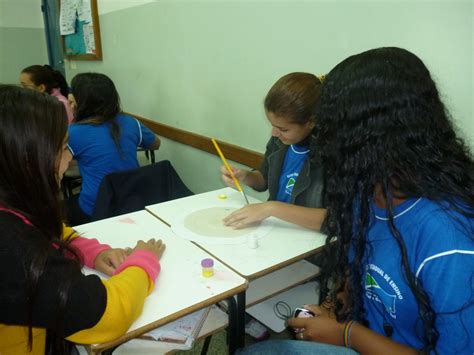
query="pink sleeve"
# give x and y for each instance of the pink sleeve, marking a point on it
(144, 259)
(89, 249)
(57, 94)
(70, 114)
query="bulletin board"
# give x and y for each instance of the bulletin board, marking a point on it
(80, 30)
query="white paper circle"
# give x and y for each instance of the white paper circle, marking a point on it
(205, 225)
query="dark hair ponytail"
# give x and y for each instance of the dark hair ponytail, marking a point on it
(49, 77)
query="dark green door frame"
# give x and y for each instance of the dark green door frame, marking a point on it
(50, 9)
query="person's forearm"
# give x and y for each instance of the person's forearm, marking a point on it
(311, 218)
(255, 180)
(367, 342)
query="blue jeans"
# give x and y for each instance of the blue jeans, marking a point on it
(294, 347)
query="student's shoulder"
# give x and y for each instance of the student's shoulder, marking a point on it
(274, 144)
(14, 230)
(124, 118)
(443, 228)
(8, 219)
(80, 127)
(442, 213)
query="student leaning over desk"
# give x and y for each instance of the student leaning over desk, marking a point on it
(401, 204)
(291, 170)
(45, 300)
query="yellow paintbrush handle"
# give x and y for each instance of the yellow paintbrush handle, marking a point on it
(227, 166)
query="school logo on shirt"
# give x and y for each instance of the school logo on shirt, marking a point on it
(376, 290)
(290, 183)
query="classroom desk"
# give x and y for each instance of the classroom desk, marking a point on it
(285, 244)
(180, 288)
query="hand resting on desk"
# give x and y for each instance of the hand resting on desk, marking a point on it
(108, 260)
(247, 215)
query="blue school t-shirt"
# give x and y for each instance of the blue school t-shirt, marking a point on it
(97, 155)
(294, 160)
(440, 250)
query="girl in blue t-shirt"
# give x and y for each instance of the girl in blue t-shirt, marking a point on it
(400, 216)
(102, 139)
(291, 170)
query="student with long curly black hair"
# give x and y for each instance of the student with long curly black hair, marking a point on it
(400, 215)
(45, 300)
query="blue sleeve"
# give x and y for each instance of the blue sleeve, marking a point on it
(447, 275)
(148, 137)
(73, 140)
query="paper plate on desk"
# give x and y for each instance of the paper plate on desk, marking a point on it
(205, 225)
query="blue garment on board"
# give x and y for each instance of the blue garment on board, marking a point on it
(97, 155)
(294, 160)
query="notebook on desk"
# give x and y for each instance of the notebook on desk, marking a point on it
(182, 332)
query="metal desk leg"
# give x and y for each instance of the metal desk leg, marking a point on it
(241, 319)
(236, 332)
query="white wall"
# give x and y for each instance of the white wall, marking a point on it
(106, 6)
(21, 14)
(22, 38)
(205, 66)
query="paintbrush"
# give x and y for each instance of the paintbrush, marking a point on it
(227, 166)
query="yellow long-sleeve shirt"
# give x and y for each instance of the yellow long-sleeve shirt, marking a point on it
(96, 310)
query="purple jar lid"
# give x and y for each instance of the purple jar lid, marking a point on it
(207, 262)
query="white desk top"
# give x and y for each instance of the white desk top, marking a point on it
(285, 244)
(180, 289)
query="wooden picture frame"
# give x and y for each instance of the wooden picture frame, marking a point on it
(85, 43)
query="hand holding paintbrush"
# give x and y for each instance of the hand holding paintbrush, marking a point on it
(230, 171)
(240, 175)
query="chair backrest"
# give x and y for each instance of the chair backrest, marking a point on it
(132, 190)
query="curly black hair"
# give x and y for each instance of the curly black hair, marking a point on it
(382, 128)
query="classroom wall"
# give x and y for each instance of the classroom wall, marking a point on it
(22, 38)
(205, 66)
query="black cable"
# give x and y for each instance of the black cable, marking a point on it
(282, 310)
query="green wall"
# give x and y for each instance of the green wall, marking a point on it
(22, 39)
(205, 66)
(19, 48)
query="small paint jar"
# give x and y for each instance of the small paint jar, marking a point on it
(207, 267)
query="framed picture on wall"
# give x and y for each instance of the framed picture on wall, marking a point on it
(80, 30)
